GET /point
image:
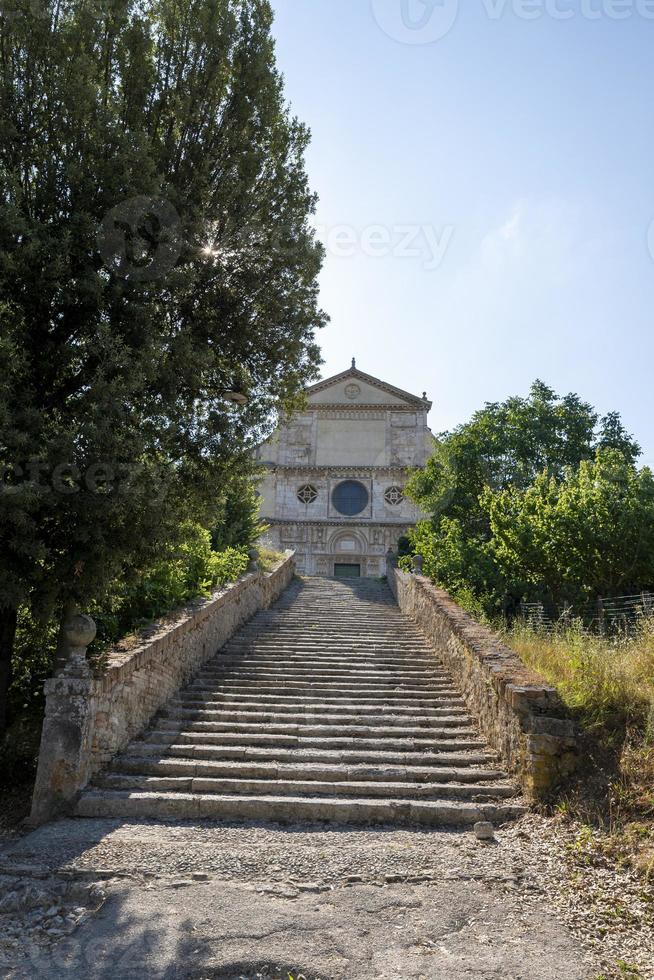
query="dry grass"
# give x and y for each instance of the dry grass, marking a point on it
(608, 684)
(268, 559)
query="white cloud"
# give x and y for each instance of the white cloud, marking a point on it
(520, 268)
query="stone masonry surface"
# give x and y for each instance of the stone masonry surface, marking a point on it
(90, 719)
(518, 712)
(329, 706)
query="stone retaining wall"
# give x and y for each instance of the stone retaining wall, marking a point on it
(89, 719)
(519, 713)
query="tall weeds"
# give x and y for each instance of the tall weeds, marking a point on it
(608, 684)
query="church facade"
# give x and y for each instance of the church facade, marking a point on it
(335, 475)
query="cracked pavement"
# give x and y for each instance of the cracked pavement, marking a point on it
(200, 902)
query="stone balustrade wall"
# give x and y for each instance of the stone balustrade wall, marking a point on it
(89, 719)
(518, 712)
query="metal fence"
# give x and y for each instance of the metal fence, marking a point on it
(613, 614)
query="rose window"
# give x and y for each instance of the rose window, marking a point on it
(350, 498)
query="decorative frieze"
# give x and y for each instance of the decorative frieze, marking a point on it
(340, 472)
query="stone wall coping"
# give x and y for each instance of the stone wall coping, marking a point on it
(511, 675)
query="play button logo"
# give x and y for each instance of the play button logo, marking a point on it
(416, 21)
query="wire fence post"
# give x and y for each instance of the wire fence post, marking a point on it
(601, 622)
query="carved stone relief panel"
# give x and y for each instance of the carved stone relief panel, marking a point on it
(377, 536)
(293, 534)
(318, 536)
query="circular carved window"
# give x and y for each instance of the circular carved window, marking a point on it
(307, 494)
(350, 498)
(394, 496)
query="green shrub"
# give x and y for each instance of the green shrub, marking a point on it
(188, 569)
(32, 664)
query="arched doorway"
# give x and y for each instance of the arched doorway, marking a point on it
(348, 549)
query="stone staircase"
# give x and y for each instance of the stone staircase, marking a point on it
(329, 706)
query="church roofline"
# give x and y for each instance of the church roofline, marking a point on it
(354, 372)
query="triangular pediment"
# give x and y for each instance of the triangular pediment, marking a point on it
(354, 387)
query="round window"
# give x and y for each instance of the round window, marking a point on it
(350, 498)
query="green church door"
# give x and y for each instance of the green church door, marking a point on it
(347, 571)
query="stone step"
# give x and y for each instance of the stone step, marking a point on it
(346, 695)
(359, 672)
(315, 788)
(333, 661)
(295, 664)
(322, 772)
(334, 654)
(363, 735)
(307, 632)
(195, 750)
(360, 635)
(289, 809)
(346, 626)
(448, 741)
(319, 642)
(353, 688)
(329, 698)
(365, 671)
(274, 675)
(235, 709)
(210, 721)
(212, 710)
(343, 620)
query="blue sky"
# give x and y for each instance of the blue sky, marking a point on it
(485, 196)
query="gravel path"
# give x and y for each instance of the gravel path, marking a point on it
(349, 903)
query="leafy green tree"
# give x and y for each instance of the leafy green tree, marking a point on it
(507, 445)
(463, 564)
(503, 449)
(156, 261)
(590, 534)
(237, 523)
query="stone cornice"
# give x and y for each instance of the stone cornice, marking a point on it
(355, 374)
(338, 471)
(355, 408)
(344, 522)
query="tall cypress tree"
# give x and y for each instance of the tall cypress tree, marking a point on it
(155, 256)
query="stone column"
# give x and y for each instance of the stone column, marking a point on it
(66, 738)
